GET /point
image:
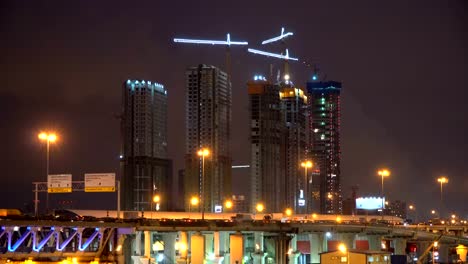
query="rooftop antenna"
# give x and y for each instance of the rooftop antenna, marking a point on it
(281, 38)
(226, 43)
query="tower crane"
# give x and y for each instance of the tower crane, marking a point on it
(228, 43)
(280, 37)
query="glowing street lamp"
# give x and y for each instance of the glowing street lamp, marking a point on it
(307, 164)
(193, 202)
(259, 207)
(288, 211)
(157, 200)
(48, 137)
(228, 204)
(203, 153)
(442, 180)
(413, 208)
(383, 173)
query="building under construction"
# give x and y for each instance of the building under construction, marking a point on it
(208, 121)
(267, 128)
(324, 142)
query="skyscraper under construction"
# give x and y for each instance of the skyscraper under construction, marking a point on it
(208, 121)
(267, 167)
(278, 143)
(324, 142)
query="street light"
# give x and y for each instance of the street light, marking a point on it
(441, 180)
(413, 208)
(203, 153)
(156, 200)
(307, 164)
(48, 137)
(228, 204)
(260, 207)
(193, 202)
(383, 173)
(288, 211)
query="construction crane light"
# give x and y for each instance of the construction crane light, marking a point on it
(275, 55)
(280, 37)
(212, 42)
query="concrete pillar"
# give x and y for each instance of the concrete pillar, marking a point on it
(258, 240)
(325, 242)
(169, 247)
(197, 248)
(443, 253)
(375, 242)
(183, 247)
(258, 255)
(221, 240)
(293, 257)
(347, 239)
(137, 242)
(281, 250)
(236, 248)
(147, 249)
(293, 253)
(399, 245)
(316, 243)
(123, 248)
(209, 246)
(293, 243)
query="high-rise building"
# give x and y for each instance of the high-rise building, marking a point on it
(293, 111)
(267, 129)
(396, 208)
(208, 121)
(145, 168)
(324, 141)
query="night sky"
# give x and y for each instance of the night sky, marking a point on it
(403, 64)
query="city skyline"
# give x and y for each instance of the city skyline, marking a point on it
(391, 89)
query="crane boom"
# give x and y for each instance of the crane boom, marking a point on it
(280, 37)
(275, 55)
(227, 42)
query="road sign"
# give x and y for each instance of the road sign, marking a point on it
(59, 183)
(100, 182)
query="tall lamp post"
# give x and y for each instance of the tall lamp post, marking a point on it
(156, 201)
(193, 202)
(48, 138)
(413, 209)
(383, 173)
(441, 180)
(228, 205)
(203, 153)
(307, 164)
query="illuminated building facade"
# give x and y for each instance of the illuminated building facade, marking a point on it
(293, 110)
(208, 121)
(267, 128)
(324, 142)
(145, 168)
